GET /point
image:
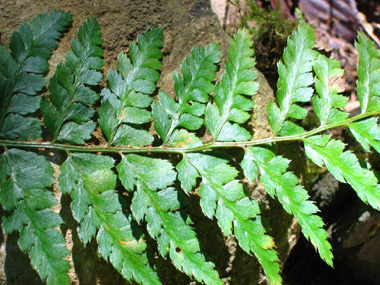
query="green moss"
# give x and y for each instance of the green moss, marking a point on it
(269, 30)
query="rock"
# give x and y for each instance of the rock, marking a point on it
(356, 242)
(354, 233)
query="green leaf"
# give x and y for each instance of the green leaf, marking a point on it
(293, 197)
(75, 133)
(295, 78)
(224, 198)
(19, 127)
(233, 132)
(108, 117)
(161, 110)
(20, 174)
(21, 74)
(29, 83)
(213, 119)
(125, 115)
(69, 95)
(131, 135)
(165, 223)
(77, 178)
(326, 105)
(289, 128)
(135, 115)
(187, 174)
(95, 205)
(368, 83)
(236, 81)
(192, 89)
(23, 192)
(117, 243)
(23, 104)
(345, 166)
(156, 173)
(367, 133)
(249, 167)
(124, 103)
(184, 139)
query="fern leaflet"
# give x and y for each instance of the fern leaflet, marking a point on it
(124, 103)
(224, 198)
(367, 131)
(23, 193)
(161, 211)
(22, 70)
(95, 205)
(67, 115)
(192, 92)
(294, 198)
(368, 83)
(294, 82)
(230, 105)
(344, 166)
(326, 105)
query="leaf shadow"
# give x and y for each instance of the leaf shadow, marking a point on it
(15, 263)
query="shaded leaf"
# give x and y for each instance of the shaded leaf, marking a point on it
(19, 127)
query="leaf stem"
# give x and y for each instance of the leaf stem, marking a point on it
(164, 149)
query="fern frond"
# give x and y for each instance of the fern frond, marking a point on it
(368, 83)
(160, 208)
(294, 82)
(230, 105)
(192, 92)
(89, 180)
(22, 71)
(344, 165)
(293, 197)
(67, 115)
(224, 198)
(128, 108)
(23, 193)
(327, 105)
(124, 103)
